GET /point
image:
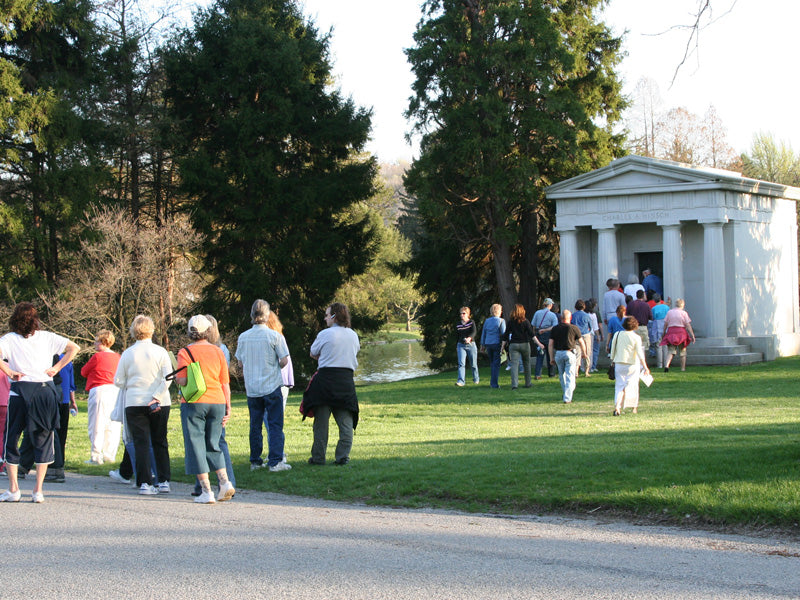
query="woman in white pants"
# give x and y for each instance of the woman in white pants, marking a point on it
(628, 358)
(99, 372)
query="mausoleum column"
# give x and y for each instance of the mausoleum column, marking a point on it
(570, 281)
(715, 291)
(607, 265)
(673, 261)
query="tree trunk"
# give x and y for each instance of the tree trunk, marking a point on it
(504, 274)
(529, 268)
(133, 162)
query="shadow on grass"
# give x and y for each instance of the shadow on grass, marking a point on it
(716, 474)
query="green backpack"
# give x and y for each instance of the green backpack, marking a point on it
(195, 382)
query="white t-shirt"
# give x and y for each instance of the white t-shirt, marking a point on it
(32, 355)
(336, 346)
(632, 288)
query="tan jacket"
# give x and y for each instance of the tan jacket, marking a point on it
(627, 345)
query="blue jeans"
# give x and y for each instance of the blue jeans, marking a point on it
(461, 353)
(493, 350)
(542, 359)
(596, 351)
(268, 410)
(567, 363)
(132, 453)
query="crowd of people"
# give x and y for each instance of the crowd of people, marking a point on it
(638, 323)
(129, 399)
(129, 395)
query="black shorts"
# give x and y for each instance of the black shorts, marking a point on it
(35, 410)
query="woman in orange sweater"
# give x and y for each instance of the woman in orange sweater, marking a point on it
(203, 420)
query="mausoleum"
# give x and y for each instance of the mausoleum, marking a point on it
(724, 243)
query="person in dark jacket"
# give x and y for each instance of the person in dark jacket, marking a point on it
(519, 335)
(332, 390)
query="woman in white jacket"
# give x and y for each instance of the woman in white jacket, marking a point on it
(141, 376)
(628, 358)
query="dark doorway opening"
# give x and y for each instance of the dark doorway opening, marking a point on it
(650, 260)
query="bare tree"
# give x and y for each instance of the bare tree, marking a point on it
(681, 139)
(718, 152)
(701, 18)
(126, 270)
(677, 134)
(643, 117)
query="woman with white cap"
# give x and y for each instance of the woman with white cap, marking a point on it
(204, 419)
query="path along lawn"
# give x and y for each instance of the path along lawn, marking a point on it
(714, 444)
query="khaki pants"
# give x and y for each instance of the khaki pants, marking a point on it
(645, 335)
(587, 358)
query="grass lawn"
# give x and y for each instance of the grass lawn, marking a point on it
(714, 445)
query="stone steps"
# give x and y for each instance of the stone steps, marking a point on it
(741, 358)
(720, 351)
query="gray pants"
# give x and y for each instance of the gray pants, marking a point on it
(344, 419)
(517, 352)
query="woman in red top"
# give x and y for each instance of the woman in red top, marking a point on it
(99, 372)
(203, 420)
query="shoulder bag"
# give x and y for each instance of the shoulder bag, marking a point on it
(195, 382)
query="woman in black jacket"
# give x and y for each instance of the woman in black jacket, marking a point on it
(519, 335)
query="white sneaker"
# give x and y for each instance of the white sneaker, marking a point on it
(206, 498)
(226, 492)
(163, 487)
(281, 466)
(117, 477)
(256, 466)
(148, 490)
(10, 496)
(37, 497)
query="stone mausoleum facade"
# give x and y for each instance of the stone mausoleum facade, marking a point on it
(724, 243)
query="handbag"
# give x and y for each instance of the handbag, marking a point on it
(195, 382)
(119, 408)
(612, 371)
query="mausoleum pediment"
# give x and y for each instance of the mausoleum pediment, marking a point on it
(643, 174)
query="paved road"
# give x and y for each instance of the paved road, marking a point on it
(93, 538)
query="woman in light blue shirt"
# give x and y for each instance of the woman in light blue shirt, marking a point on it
(492, 341)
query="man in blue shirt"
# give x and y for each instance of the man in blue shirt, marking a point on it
(543, 321)
(262, 353)
(581, 320)
(652, 281)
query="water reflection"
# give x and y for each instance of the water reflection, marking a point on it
(378, 363)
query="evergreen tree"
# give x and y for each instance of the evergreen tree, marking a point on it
(47, 160)
(510, 96)
(270, 159)
(381, 293)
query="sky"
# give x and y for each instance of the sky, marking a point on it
(743, 65)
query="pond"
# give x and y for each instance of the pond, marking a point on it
(381, 362)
